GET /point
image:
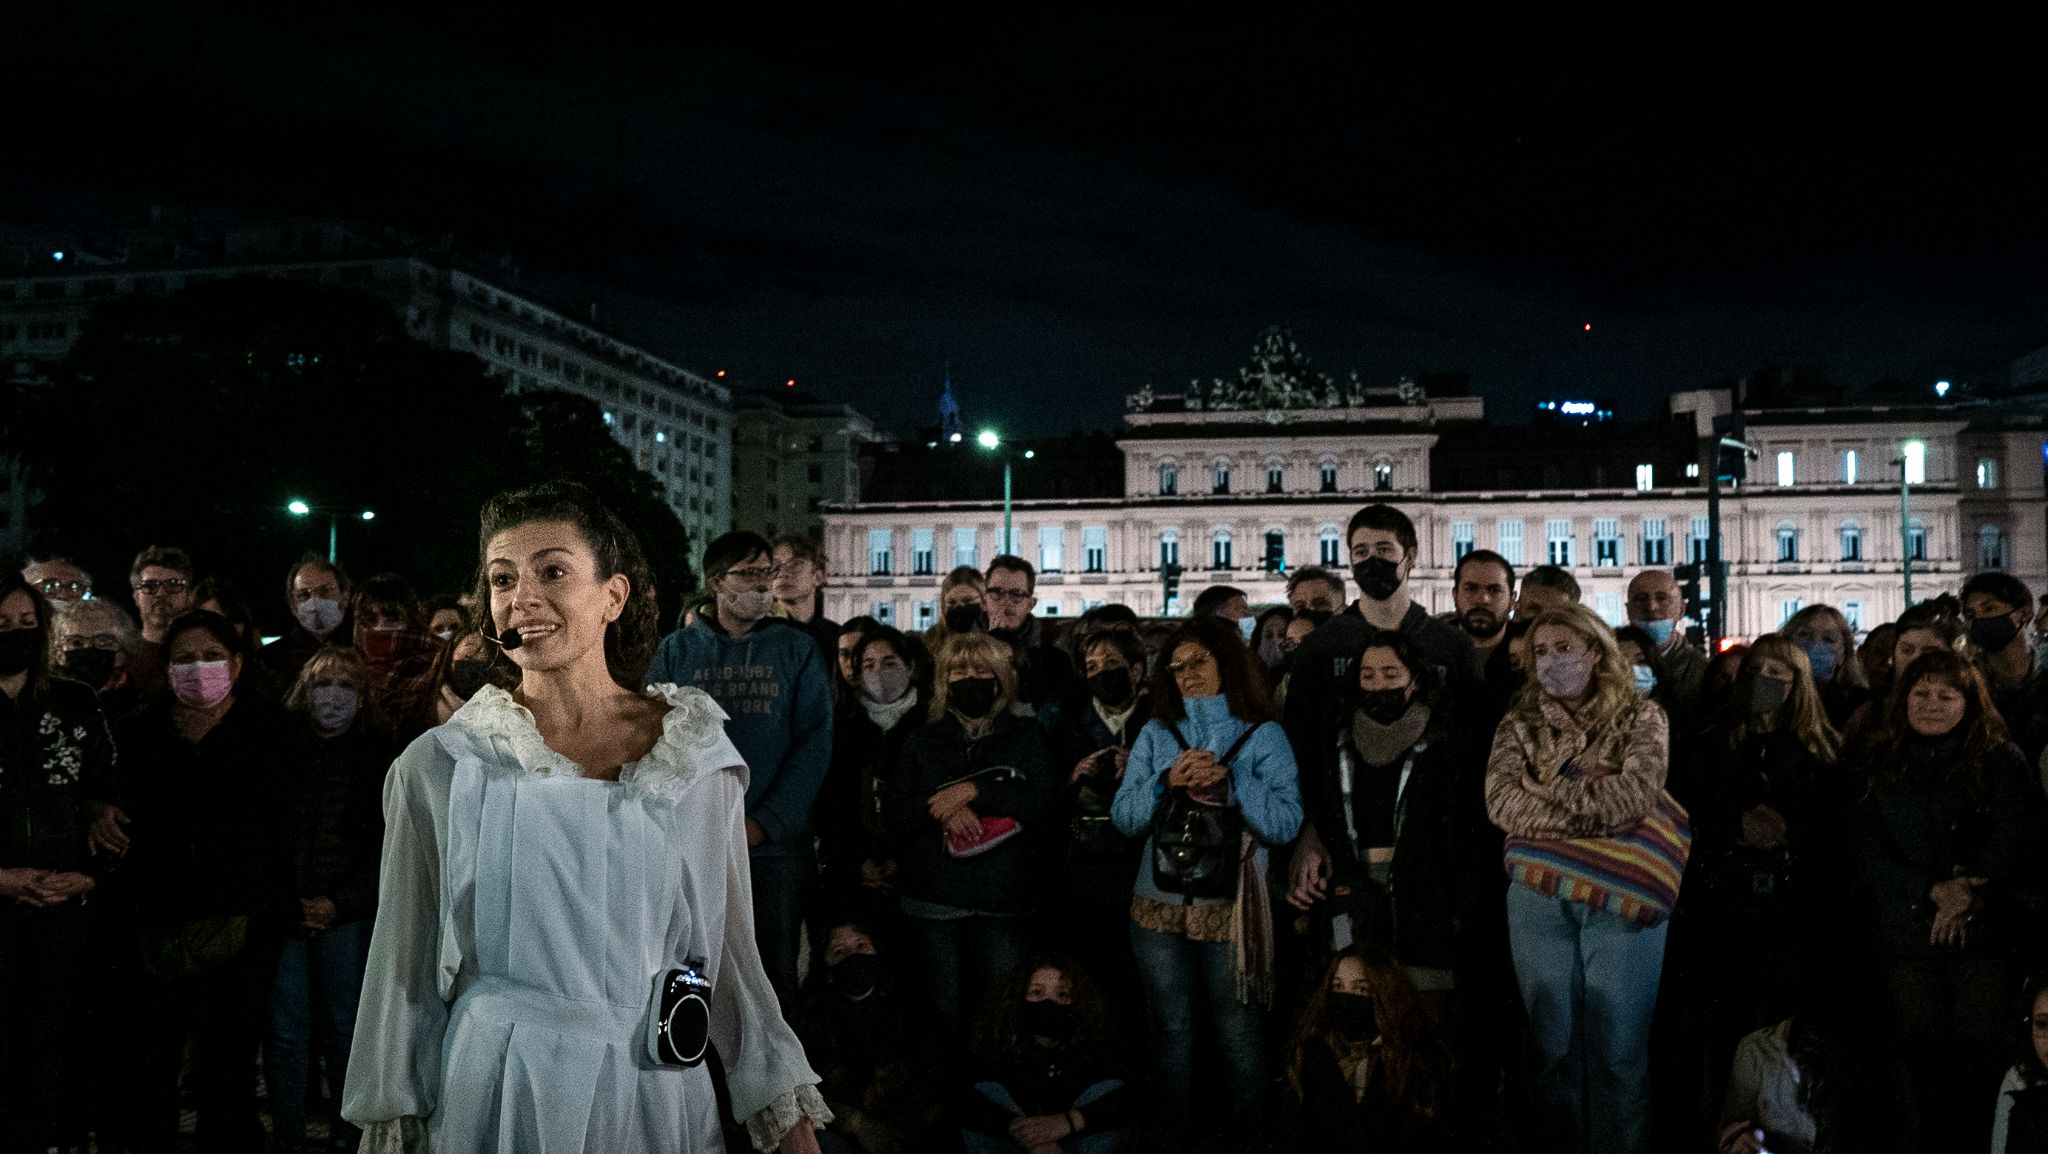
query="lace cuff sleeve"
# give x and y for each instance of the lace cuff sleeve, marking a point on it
(777, 1118)
(406, 1135)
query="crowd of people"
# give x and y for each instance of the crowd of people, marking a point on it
(1336, 873)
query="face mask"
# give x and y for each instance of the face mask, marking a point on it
(1383, 705)
(885, 685)
(1271, 655)
(1822, 657)
(1646, 679)
(973, 697)
(1246, 625)
(94, 667)
(855, 975)
(1659, 630)
(468, 675)
(1990, 634)
(1316, 617)
(963, 619)
(1354, 1016)
(18, 650)
(1111, 686)
(1049, 1020)
(379, 646)
(318, 615)
(747, 604)
(202, 684)
(1564, 674)
(1767, 695)
(445, 634)
(1377, 577)
(334, 706)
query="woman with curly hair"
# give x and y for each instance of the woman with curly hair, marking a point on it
(1952, 871)
(1368, 1068)
(564, 919)
(1046, 1067)
(1595, 848)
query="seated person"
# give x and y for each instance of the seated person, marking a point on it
(1368, 1069)
(1047, 1077)
(2020, 1123)
(866, 1041)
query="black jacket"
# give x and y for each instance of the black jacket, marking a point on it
(1099, 859)
(54, 748)
(210, 825)
(848, 814)
(1326, 665)
(1331, 1116)
(1920, 822)
(1047, 1082)
(1003, 880)
(340, 817)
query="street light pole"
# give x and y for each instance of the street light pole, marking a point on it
(1906, 530)
(1008, 541)
(333, 535)
(1717, 587)
(298, 507)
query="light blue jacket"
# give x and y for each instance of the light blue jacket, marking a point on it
(1262, 780)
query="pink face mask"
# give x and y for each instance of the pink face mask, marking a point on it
(202, 684)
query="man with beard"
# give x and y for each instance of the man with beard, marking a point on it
(162, 578)
(1483, 590)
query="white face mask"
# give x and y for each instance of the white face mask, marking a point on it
(319, 616)
(334, 707)
(1564, 675)
(748, 604)
(886, 685)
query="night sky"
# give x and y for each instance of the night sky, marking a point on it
(1066, 208)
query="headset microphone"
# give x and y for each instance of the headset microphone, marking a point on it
(509, 639)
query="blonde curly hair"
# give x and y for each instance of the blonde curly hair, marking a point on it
(1611, 710)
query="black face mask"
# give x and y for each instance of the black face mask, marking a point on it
(1315, 617)
(1764, 696)
(1354, 1016)
(1111, 686)
(972, 696)
(91, 666)
(855, 975)
(1377, 577)
(1049, 1020)
(963, 619)
(18, 648)
(1993, 634)
(1383, 705)
(467, 676)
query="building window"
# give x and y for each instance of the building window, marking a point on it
(1697, 541)
(1692, 468)
(965, 550)
(881, 551)
(1382, 477)
(1328, 470)
(1169, 547)
(1852, 612)
(1608, 606)
(1915, 454)
(1788, 543)
(1219, 549)
(1987, 473)
(923, 615)
(1330, 546)
(1849, 462)
(1646, 478)
(1221, 475)
(1656, 542)
(1461, 541)
(1852, 541)
(1169, 478)
(1275, 559)
(921, 552)
(1990, 548)
(1916, 539)
(1788, 467)
(1095, 548)
(1607, 543)
(884, 612)
(1507, 540)
(1788, 608)
(1052, 548)
(1276, 476)
(1558, 532)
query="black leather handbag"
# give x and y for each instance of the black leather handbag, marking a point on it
(1196, 845)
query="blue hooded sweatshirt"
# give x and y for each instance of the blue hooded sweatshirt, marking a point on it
(772, 685)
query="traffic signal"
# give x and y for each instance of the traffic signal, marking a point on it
(1169, 577)
(1276, 553)
(1689, 585)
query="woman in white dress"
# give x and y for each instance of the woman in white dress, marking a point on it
(549, 855)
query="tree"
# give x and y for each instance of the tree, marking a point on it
(192, 419)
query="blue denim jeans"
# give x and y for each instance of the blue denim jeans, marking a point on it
(1113, 1142)
(966, 958)
(1186, 979)
(319, 980)
(1589, 981)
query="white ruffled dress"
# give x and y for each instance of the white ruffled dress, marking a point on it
(525, 913)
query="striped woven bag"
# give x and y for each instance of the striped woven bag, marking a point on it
(1634, 876)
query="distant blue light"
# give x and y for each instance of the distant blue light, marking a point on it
(56, 256)
(1941, 388)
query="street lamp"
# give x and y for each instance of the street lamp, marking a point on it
(1911, 459)
(298, 507)
(988, 439)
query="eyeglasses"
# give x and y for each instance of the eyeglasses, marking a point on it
(756, 574)
(73, 642)
(52, 585)
(171, 585)
(1005, 595)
